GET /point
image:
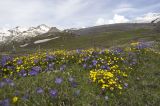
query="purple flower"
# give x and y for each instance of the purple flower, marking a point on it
(50, 66)
(125, 85)
(9, 67)
(105, 67)
(36, 61)
(94, 62)
(117, 50)
(39, 90)
(102, 52)
(2, 84)
(53, 92)
(36, 68)
(74, 84)
(46, 69)
(85, 59)
(94, 53)
(3, 62)
(19, 62)
(5, 59)
(141, 46)
(33, 73)
(25, 97)
(5, 102)
(58, 80)
(50, 58)
(23, 73)
(84, 65)
(78, 51)
(62, 68)
(7, 80)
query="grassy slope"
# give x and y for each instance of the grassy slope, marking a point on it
(105, 39)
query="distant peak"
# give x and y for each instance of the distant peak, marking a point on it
(54, 29)
(43, 25)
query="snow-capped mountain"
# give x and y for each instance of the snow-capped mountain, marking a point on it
(147, 18)
(20, 33)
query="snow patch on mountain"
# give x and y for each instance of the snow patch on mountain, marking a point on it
(24, 45)
(44, 40)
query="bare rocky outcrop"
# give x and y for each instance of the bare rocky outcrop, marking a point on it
(54, 29)
(156, 23)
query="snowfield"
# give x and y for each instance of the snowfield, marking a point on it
(44, 40)
(23, 45)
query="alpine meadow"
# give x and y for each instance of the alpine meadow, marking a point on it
(80, 53)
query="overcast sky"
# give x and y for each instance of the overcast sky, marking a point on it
(73, 13)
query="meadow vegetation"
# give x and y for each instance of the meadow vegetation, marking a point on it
(120, 76)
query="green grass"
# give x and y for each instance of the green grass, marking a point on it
(144, 85)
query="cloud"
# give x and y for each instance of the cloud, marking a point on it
(123, 10)
(116, 19)
(34, 12)
(124, 7)
(73, 13)
(67, 8)
(100, 21)
(146, 18)
(21, 12)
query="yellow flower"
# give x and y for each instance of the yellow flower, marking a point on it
(119, 86)
(105, 86)
(134, 43)
(15, 99)
(101, 81)
(5, 70)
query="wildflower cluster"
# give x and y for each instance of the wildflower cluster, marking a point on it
(108, 80)
(112, 75)
(32, 64)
